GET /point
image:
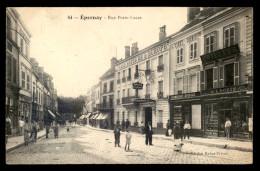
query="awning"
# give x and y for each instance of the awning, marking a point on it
(105, 116)
(51, 114)
(88, 115)
(58, 114)
(95, 116)
(99, 116)
(81, 117)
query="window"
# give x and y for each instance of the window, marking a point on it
(209, 43)
(179, 55)
(9, 47)
(128, 92)
(118, 94)
(136, 69)
(104, 101)
(209, 78)
(147, 88)
(136, 116)
(229, 36)
(129, 72)
(118, 75)
(160, 86)
(148, 65)
(179, 85)
(9, 26)
(14, 70)
(9, 68)
(23, 79)
(28, 82)
(160, 60)
(160, 114)
(123, 73)
(111, 86)
(229, 75)
(105, 88)
(22, 45)
(117, 116)
(193, 51)
(123, 93)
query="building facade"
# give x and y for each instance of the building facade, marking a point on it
(148, 68)
(211, 71)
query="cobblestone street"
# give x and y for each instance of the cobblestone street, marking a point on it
(83, 145)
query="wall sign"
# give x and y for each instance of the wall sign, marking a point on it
(137, 85)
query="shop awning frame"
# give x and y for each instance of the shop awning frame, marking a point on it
(51, 114)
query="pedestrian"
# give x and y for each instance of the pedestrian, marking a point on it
(181, 129)
(177, 141)
(128, 137)
(127, 124)
(34, 131)
(142, 127)
(26, 130)
(56, 130)
(168, 126)
(21, 124)
(47, 126)
(149, 134)
(8, 128)
(123, 125)
(187, 128)
(227, 128)
(117, 136)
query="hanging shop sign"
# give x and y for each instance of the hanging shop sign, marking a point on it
(137, 85)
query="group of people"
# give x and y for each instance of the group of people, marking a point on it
(181, 129)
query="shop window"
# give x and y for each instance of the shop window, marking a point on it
(159, 118)
(240, 117)
(211, 117)
(229, 75)
(209, 78)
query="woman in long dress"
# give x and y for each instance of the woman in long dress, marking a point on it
(8, 129)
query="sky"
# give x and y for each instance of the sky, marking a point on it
(76, 52)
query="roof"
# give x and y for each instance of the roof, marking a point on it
(109, 73)
(202, 16)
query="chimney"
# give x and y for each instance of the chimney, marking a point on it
(127, 51)
(162, 33)
(113, 62)
(192, 12)
(134, 48)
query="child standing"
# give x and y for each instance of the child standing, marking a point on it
(128, 137)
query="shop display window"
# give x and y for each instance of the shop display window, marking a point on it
(211, 117)
(240, 117)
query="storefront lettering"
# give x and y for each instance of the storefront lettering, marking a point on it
(224, 90)
(143, 56)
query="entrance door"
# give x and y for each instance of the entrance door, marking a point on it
(223, 114)
(148, 115)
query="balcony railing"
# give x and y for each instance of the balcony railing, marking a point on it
(117, 101)
(160, 68)
(147, 96)
(160, 95)
(129, 78)
(118, 81)
(136, 75)
(179, 92)
(129, 99)
(123, 79)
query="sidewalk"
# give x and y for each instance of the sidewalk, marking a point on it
(16, 142)
(210, 142)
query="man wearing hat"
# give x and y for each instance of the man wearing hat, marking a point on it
(149, 133)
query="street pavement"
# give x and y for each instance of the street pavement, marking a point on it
(87, 145)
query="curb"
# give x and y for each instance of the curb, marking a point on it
(21, 144)
(191, 142)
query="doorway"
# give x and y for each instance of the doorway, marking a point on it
(223, 114)
(148, 115)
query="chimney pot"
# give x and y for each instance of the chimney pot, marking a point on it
(162, 33)
(134, 48)
(127, 51)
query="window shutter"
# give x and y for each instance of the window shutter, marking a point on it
(215, 77)
(236, 73)
(198, 80)
(221, 76)
(202, 80)
(215, 41)
(174, 86)
(205, 48)
(187, 84)
(237, 37)
(183, 85)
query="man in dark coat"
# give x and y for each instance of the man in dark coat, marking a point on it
(181, 129)
(149, 133)
(127, 124)
(123, 125)
(117, 135)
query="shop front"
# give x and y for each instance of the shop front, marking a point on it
(187, 107)
(222, 103)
